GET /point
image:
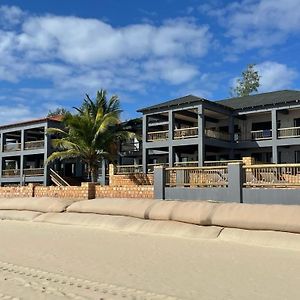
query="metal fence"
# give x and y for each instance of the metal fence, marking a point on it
(279, 175)
(197, 176)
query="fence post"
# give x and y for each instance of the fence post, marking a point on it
(159, 182)
(111, 173)
(236, 181)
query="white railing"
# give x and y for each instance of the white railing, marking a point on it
(34, 145)
(197, 176)
(288, 132)
(186, 164)
(261, 134)
(157, 135)
(12, 147)
(217, 134)
(11, 173)
(272, 175)
(128, 169)
(185, 133)
(34, 172)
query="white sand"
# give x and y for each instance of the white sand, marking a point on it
(49, 261)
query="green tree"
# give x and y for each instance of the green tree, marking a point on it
(248, 83)
(91, 134)
(58, 111)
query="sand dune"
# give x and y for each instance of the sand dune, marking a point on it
(51, 261)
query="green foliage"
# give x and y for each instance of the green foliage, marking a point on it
(248, 84)
(58, 111)
(92, 133)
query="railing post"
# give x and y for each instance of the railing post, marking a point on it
(159, 182)
(236, 181)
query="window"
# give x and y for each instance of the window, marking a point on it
(297, 156)
(297, 123)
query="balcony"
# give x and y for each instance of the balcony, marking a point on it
(34, 145)
(157, 136)
(32, 172)
(12, 147)
(261, 134)
(289, 132)
(185, 133)
(219, 135)
(11, 173)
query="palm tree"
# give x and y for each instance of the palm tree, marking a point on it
(91, 134)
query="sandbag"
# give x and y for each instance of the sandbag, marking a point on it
(257, 216)
(109, 206)
(161, 210)
(41, 204)
(193, 212)
(274, 239)
(18, 215)
(131, 224)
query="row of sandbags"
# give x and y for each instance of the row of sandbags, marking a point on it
(245, 216)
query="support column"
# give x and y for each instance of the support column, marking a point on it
(201, 146)
(144, 139)
(170, 137)
(235, 181)
(103, 172)
(159, 182)
(274, 136)
(22, 175)
(231, 134)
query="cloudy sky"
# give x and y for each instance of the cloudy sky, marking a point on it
(53, 52)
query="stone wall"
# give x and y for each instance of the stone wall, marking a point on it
(131, 180)
(124, 192)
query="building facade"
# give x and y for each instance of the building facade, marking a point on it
(190, 131)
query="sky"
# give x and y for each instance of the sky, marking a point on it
(53, 52)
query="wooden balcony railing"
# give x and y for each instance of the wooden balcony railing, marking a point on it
(11, 173)
(34, 172)
(157, 136)
(273, 175)
(185, 133)
(217, 134)
(12, 147)
(34, 145)
(128, 169)
(197, 176)
(288, 132)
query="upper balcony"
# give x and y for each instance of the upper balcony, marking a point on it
(186, 133)
(33, 139)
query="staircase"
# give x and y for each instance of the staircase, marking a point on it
(57, 179)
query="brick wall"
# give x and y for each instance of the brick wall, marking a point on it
(85, 191)
(124, 192)
(16, 191)
(131, 180)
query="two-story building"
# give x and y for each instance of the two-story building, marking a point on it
(24, 149)
(190, 130)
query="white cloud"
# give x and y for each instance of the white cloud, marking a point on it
(257, 23)
(10, 16)
(275, 76)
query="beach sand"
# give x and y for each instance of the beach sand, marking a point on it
(49, 261)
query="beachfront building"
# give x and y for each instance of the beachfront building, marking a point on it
(193, 131)
(24, 149)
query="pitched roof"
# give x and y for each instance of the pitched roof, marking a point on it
(189, 99)
(258, 100)
(55, 118)
(271, 98)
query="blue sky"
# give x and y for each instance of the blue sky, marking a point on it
(52, 52)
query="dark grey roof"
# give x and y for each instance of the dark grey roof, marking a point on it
(264, 99)
(189, 99)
